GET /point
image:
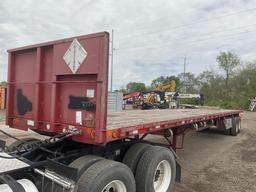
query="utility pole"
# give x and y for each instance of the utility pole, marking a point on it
(184, 75)
(112, 60)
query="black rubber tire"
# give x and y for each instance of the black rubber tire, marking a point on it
(147, 166)
(101, 173)
(133, 155)
(84, 162)
(18, 144)
(234, 128)
(81, 164)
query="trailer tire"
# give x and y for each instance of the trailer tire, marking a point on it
(107, 176)
(84, 162)
(133, 155)
(234, 130)
(81, 164)
(156, 171)
(18, 144)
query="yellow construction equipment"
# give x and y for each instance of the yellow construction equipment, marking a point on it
(150, 99)
(154, 99)
(166, 87)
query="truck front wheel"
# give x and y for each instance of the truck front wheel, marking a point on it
(156, 171)
(107, 176)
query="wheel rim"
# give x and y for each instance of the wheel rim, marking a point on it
(115, 186)
(162, 176)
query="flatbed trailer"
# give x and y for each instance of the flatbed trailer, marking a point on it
(59, 89)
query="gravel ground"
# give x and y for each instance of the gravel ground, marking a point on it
(211, 161)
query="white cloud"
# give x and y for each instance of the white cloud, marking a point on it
(151, 37)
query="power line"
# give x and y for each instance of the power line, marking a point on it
(207, 34)
(240, 39)
(197, 44)
(190, 24)
(198, 40)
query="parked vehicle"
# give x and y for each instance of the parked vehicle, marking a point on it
(60, 89)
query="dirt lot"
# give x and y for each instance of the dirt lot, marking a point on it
(211, 161)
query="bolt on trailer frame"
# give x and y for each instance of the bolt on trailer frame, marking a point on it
(59, 89)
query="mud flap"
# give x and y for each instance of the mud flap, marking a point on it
(63, 170)
(178, 167)
(178, 172)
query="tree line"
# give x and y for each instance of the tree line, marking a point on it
(231, 87)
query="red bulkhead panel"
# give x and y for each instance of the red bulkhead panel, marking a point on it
(58, 85)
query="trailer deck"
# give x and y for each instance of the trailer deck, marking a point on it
(68, 90)
(60, 89)
(141, 118)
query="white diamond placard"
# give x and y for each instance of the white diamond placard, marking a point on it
(75, 56)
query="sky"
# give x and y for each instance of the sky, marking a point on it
(151, 38)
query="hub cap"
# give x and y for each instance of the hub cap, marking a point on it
(162, 177)
(115, 186)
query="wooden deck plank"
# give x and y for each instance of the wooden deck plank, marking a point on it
(128, 118)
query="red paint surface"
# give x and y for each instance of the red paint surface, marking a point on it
(44, 78)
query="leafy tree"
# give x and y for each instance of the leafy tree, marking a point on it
(238, 83)
(122, 89)
(149, 88)
(3, 83)
(241, 87)
(136, 86)
(243, 82)
(190, 85)
(211, 85)
(228, 61)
